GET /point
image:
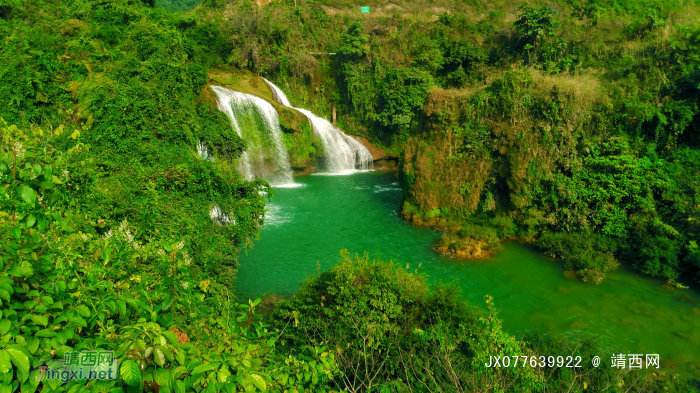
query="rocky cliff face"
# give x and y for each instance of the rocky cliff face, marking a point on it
(491, 154)
(382, 159)
(434, 178)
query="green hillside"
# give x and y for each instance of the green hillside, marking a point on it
(571, 124)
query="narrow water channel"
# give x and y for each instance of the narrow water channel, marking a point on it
(630, 313)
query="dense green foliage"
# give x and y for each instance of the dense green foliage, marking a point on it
(64, 287)
(577, 125)
(107, 239)
(124, 81)
(177, 5)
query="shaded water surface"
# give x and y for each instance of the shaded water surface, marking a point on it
(630, 313)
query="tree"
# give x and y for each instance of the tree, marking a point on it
(354, 44)
(535, 25)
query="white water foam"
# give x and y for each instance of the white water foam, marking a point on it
(274, 216)
(342, 173)
(290, 185)
(378, 188)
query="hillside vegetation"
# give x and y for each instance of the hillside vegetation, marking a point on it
(575, 124)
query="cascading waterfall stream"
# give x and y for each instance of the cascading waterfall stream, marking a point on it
(342, 152)
(266, 157)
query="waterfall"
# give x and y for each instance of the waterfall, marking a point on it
(256, 121)
(341, 152)
(203, 151)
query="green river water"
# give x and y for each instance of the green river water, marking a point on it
(630, 313)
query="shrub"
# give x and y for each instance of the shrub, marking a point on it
(590, 254)
(394, 332)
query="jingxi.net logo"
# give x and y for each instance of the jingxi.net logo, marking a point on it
(80, 365)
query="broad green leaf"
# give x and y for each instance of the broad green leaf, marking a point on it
(121, 307)
(180, 356)
(159, 356)
(20, 360)
(29, 195)
(259, 382)
(31, 220)
(167, 302)
(40, 320)
(230, 387)
(162, 377)
(204, 367)
(30, 385)
(223, 374)
(24, 269)
(130, 372)
(5, 326)
(5, 362)
(45, 333)
(171, 337)
(77, 321)
(83, 310)
(179, 387)
(33, 345)
(179, 370)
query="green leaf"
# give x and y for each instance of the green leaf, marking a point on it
(121, 307)
(45, 333)
(83, 310)
(77, 321)
(259, 382)
(5, 362)
(204, 367)
(21, 361)
(162, 377)
(30, 221)
(40, 320)
(130, 372)
(31, 384)
(5, 326)
(167, 302)
(24, 269)
(179, 370)
(61, 286)
(179, 387)
(180, 356)
(171, 337)
(29, 195)
(5, 293)
(159, 356)
(33, 345)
